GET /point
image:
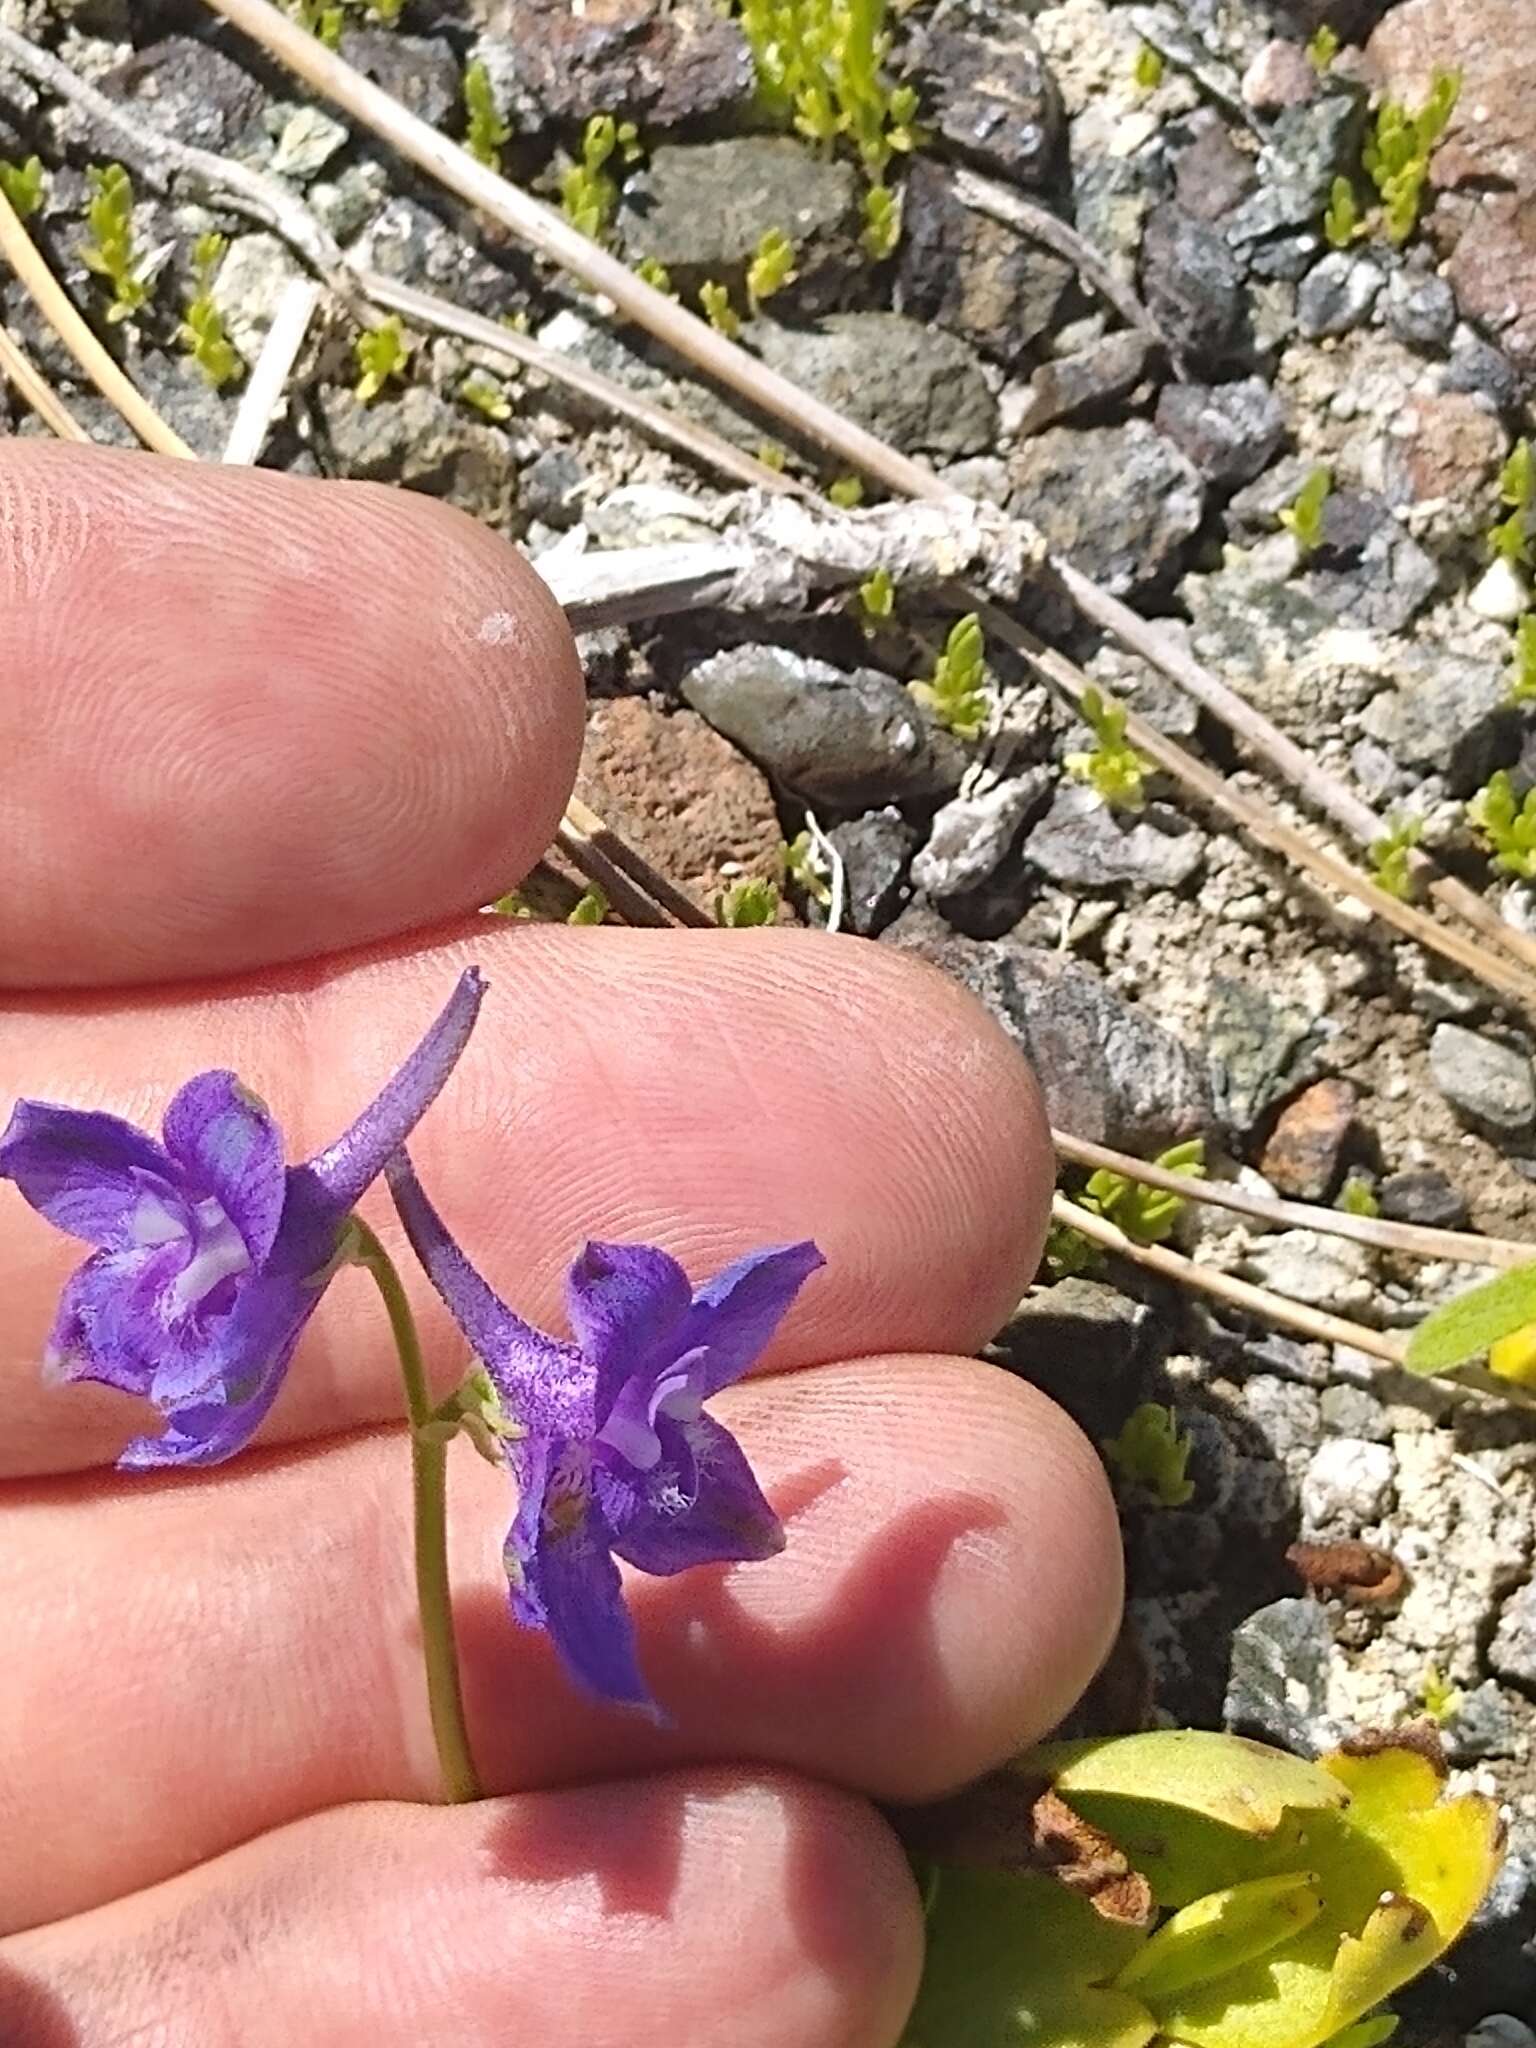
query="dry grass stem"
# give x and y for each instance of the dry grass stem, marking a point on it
(268, 382)
(33, 388)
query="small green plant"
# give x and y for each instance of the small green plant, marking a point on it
(1323, 48)
(513, 905)
(1342, 224)
(718, 310)
(1506, 827)
(1111, 765)
(1068, 1252)
(485, 129)
(1511, 538)
(589, 193)
(1151, 1453)
(772, 267)
(1522, 677)
(1304, 519)
(656, 275)
(877, 596)
(1441, 1696)
(820, 67)
(808, 867)
(1147, 72)
(882, 223)
(202, 332)
(1357, 1197)
(750, 902)
(327, 19)
(592, 907)
(383, 356)
(1390, 856)
(1146, 1214)
(111, 252)
(956, 694)
(1398, 150)
(772, 454)
(846, 491)
(23, 185)
(488, 399)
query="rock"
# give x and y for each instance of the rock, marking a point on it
(1482, 1726)
(1493, 272)
(680, 794)
(1489, 1084)
(1252, 1043)
(306, 143)
(1120, 503)
(915, 386)
(701, 209)
(1230, 432)
(1447, 447)
(1212, 175)
(1281, 75)
(1420, 311)
(553, 487)
(1306, 1151)
(421, 441)
(1286, 1415)
(1109, 1071)
(971, 275)
(990, 95)
(255, 272)
(419, 71)
(1500, 2030)
(1338, 293)
(1478, 368)
(1368, 569)
(1089, 377)
(1512, 1653)
(1351, 1411)
(1446, 713)
(1055, 1330)
(649, 515)
(661, 62)
(1323, 1272)
(190, 90)
(1306, 149)
(1350, 20)
(877, 850)
(831, 735)
(407, 241)
(1192, 284)
(1491, 139)
(1348, 1483)
(1081, 844)
(973, 835)
(1174, 1551)
(1422, 1194)
(1501, 593)
(1277, 1690)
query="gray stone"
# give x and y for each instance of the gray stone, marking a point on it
(1478, 367)
(1177, 1551)
(877, 850)
(1087, 378)
(1286, 1414)
(1483, 1725)
(1369, 570)
(1230, 432)
(1447, 713)
(418, 439)
(419, 71)
(407, 241)
(1109, 1071)
(1121, 503)
(917, 387)
(1252, 1042)
(1489, 1084)
(190, 90)
(1420, 311)
(661, 62)
(1338, 293)
(1322, 1271)
(973, 276)
(990, 95)
(1512, 1652)
(1348, 1483)
(701, 209)
(553, 486)
(1083, 1343)
(1306, 149)
(306, 142)
(1212, 175)
(1351, 1411)
(1082, 844)
(1193, 285)
(1277, 1690)
(1422, 1194)
(973, 835)
(831, 735)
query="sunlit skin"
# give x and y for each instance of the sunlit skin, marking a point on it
(268, 744)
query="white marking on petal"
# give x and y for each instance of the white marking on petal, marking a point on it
(635, 1441)
(156, 1222)
(220, 1254)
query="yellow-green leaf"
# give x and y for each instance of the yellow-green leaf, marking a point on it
(1216, 1934)
(1474, 1322)
(1244, 1785)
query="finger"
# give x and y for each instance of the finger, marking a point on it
(251, 717)
(708, 1907)
(708, 1092)
(949, 1584)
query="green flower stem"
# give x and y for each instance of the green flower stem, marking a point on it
(429, 1464)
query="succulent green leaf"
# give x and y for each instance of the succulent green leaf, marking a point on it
(1212, 1936)
(1224, 1778)
(1474, 1321)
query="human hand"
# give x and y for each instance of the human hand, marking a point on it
(268, 743)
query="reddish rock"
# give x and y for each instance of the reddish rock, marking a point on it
(1281, 75)
(681, 795)
(1307, 1147)
(1447, 447)
(1493, 272)
(663, 61)
(1492, 134)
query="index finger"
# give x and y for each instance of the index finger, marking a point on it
(249, 718)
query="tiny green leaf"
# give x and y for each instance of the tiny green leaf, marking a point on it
(772, 267)
(592, 908)
(1112, 765)
(1323, 48)
(1304, 519)
(23, 185)
(715, 298)
(957, 695)
(1468, 1326)
(1148, 68)
(748, 903)
(485, 129)
(1151, 1453)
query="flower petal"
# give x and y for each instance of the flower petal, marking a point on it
(569, 1583)
(728, 1519)
(358, 1157)
(544, 1385)
(734, 1315)
(87, 1172)
(625, 1303)
(225, 1139)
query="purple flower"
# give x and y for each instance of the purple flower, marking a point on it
(616, 1457)
(211, 1254)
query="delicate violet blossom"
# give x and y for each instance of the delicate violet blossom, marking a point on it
(610, 1448)
(211, 1254)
